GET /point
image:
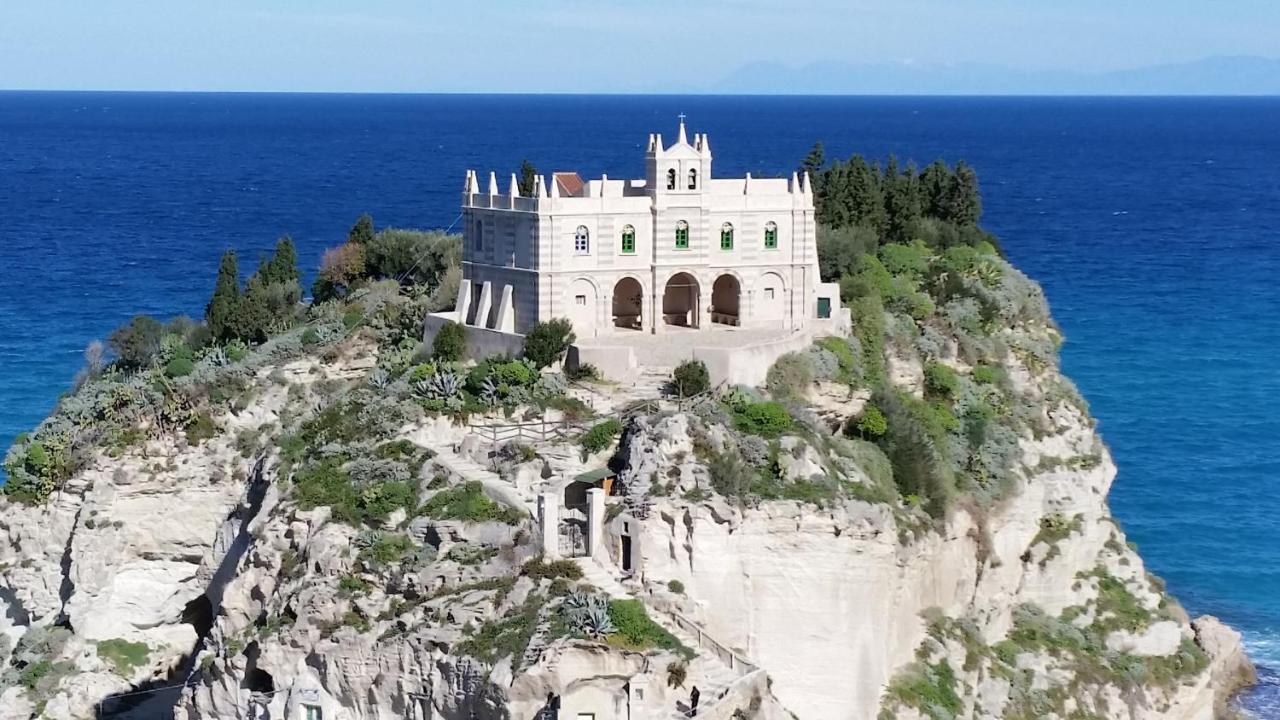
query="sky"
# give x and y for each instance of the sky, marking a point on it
(587, 45)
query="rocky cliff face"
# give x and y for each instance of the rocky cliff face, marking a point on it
(338, 542)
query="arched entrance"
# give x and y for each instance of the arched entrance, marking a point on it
(580, 304)
(726, 300)
(628, 304)
(769, 304)
(680, 301)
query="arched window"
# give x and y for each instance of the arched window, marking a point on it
(671, 179)
(693, 179)
(682, 235)
(726, 236)
(628, 240)
(582, 240)
(478, 241)
(770, 235)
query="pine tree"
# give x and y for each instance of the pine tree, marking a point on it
(528, 178)
(220, 314)
(362, 232)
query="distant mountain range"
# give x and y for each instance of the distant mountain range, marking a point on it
(1238, 75)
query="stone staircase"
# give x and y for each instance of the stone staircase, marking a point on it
(706, 671)
(469, 469)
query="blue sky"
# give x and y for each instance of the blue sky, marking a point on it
(586, 46)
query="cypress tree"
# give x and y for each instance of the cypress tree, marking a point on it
(935, 190)
(528, 178)
(814, 161)
(283, 266)
(220, 314)
(965, 204)
(362, 232)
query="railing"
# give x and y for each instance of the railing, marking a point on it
(735, 660)
(541, 431)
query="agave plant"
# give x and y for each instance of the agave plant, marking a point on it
(594, 623)
(490, 392)
(443, 385)
(379, 379)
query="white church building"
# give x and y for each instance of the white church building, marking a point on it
(676, 251)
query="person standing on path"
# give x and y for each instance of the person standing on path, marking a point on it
(693, 701)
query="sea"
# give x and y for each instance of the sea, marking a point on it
(1152, 223)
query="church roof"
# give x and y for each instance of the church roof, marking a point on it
(570, 183)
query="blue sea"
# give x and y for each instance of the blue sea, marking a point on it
(1153, 224)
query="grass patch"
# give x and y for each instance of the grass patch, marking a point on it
(467, 502)
(638, 631)
(123, 655)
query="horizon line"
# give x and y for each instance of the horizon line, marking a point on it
(673, 93)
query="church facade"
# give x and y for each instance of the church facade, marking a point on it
(678, 249)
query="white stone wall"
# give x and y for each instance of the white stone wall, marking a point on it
(529, 244)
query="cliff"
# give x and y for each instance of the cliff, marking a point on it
(910, 522)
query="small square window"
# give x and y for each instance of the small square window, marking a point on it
(768, 293)
(580, 300)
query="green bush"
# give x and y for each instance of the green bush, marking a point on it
(201, 428)
(691, 378)
(539, 569)
(766, 419)
(450, 343)
(790, 377)
(600, 436)
(940, 381)
(988, 375)
(179, 367)
(582, 371)
(123, 655)
(352, 319)
(386, 549)
(547, 342)
(310, 336)
(636, 630)
(468, 502)
(849, 362)
(676, 587)
(873, 424)
(136, 343)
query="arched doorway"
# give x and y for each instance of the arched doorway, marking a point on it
(680, 301)
(726, 299)
(769, 304)
(580, 303)
(628, 304)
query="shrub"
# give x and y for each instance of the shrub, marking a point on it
(179, 367)
(450, 343)
(845, 355)
(940, 381)
(310, 336)
(600, 436)
(539, 569)
(201, 428)
(790, 376)
(635, 629)
(691, 378)
(136, 343)
(582, 371)
(123, 655)
(873, 424)
(766, 419)
(547, 342)
(676, 587)
(677, 673)
(387, 548)
(467, 502)
(988, 375)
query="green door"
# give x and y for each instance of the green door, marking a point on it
(824, 307)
